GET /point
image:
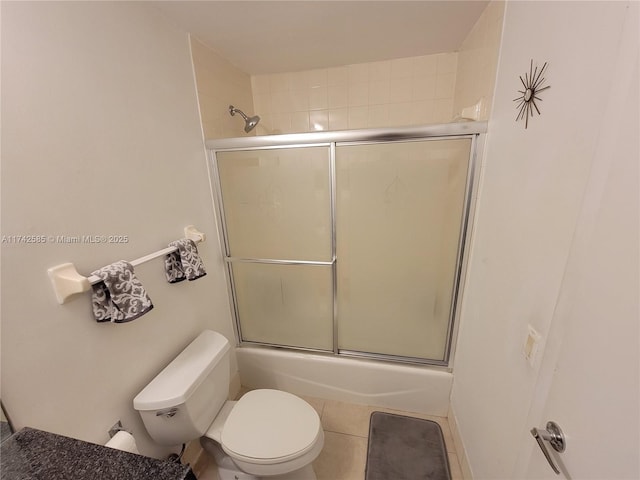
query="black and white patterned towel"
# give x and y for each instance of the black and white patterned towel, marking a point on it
(184, 263)
(119, 297)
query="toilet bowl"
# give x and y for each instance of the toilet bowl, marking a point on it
(267, 433)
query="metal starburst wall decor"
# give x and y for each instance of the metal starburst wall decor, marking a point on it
(532, 83)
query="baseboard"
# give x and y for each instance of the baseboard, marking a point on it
(467, 474)
(195, 457)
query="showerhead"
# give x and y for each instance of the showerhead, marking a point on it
(250, 122)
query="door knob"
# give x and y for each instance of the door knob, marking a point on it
(554, 436)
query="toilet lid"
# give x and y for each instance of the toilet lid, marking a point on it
(269, 424)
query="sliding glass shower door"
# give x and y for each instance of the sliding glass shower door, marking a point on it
(345, 247)
(398, 220)
(277, 210)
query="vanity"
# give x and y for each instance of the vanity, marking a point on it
(32, 454)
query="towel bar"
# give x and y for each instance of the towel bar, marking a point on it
(67, 281)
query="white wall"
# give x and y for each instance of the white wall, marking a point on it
(100, 135)
(532, 187)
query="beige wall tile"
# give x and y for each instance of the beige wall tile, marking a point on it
(477, 61)
(281, 122)
(400, 90)
(380, 71)
(401, 67)
(378, 116)
(279, 82)
(358, 94)
(400, 114)
(262, 103)
(337, 96)
(260, 84)
(220, 84)
(377, 94)
(426, 65)
(319, 120)
(299, 100)
(318, 98)
(424, 112)
(423, 87)
(445, 85)
(339, 119)
(443, 109)
(337, 76)
(358, 73)
(358, 117)
(318, 78)
(300, 122)
(299, 80)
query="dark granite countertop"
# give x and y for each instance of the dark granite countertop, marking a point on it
(36, 455)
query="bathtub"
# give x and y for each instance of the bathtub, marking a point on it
(399, 386)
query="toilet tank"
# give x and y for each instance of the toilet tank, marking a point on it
(181, 402)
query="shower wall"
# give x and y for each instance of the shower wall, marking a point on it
(478, 61)
(398, 92)
(219, 84)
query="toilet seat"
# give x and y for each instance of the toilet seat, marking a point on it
(270, 426)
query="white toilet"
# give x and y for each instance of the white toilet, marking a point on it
(267, 433)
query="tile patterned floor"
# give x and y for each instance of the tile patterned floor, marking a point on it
(346, 429)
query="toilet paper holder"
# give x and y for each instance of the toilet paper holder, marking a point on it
(122, 440)
(117, 427)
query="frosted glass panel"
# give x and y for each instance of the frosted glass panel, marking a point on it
(290, 305)
(277, 203)
(398, 216)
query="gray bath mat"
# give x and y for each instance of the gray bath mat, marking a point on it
(405, 448)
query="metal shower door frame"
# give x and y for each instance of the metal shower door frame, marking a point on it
(471, 130)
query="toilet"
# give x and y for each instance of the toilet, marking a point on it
(266, 434)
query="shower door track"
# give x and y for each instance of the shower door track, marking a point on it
(323, 138)
(331, 139)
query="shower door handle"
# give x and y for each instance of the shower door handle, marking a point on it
(554, 436)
